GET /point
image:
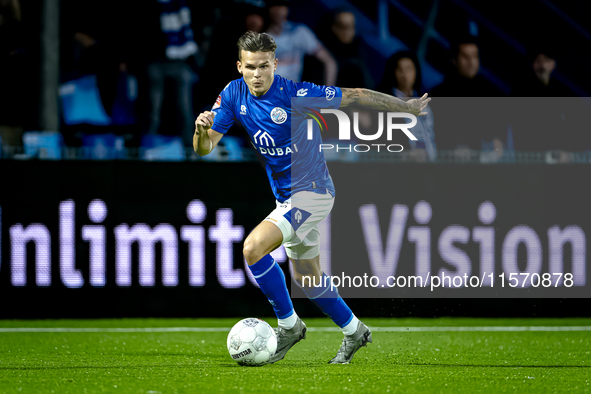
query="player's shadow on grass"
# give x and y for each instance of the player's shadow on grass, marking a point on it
(233, 365)
(498, 366)
(282, 364)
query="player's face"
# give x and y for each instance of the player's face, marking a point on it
(258, 70)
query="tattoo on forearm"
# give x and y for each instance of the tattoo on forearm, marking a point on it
(372, 99)
(350, 96)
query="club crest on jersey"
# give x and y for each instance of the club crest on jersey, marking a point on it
(218, 102)
(278, 115)
(297, 217)
(243, 110)
(330, 93)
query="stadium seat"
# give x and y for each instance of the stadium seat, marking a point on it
(43, 144)
(162, 148)
(103, 147)
(81, 102)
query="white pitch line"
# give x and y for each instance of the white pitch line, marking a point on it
(138, 329)
(320, 329)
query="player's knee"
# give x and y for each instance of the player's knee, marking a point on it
(250, 251)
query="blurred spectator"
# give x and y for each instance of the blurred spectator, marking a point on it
(178, 45)
(538, 81)
(464, 80)
(220, 63)
(475, 126)
(162, 50)
(337, 32)
(89, 46)
(402, 78)
(92, 55)
(13, 73)
(558, 116)
(294, 41)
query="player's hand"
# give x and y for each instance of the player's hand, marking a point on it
(204, 122)
(417, 106)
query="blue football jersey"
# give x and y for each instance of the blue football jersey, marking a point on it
(278, 131)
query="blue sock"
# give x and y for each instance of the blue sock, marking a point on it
(271, 280)
(330, 302)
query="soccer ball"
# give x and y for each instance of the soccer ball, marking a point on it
(252, 342)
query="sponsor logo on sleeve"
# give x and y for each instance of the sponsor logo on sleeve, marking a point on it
(302, 92)
(330, 93)
(218, 102)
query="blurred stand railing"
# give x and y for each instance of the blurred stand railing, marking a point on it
(224, 154)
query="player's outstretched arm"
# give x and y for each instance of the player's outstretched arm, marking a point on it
(205, 138)
(380, 101)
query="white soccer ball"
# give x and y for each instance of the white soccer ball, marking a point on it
(251, 342)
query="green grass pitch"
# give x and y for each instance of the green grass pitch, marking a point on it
(403, 361)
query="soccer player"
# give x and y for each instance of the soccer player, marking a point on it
(261, 102)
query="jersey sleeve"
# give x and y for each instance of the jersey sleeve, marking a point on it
(223, 113)
(328, 97)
